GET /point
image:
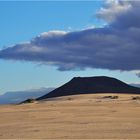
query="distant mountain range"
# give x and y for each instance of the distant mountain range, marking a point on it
(135, 85)
(18, 96)
(90, 85)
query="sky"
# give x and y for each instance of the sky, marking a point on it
(45, 44)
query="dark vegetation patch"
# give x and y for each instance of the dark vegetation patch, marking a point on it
(30, 100)
(110, 97)
(136, 98)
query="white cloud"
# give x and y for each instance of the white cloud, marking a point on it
(112, 9)
(114, 47)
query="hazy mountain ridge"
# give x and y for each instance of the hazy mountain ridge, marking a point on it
(18, 96)
(135, 85)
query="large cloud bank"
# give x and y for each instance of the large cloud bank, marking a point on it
(115, 46)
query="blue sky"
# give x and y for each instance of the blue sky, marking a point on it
(22, 21)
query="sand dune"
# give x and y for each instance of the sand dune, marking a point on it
(73, 117)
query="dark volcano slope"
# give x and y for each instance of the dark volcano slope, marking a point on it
(89, 85)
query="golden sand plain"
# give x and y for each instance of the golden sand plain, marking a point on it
(73, 117)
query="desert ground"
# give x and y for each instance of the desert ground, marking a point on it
(91, 116)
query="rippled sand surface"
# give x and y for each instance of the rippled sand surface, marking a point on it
(73, 117)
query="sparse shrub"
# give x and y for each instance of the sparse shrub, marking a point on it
(107, 96)
(136, 98)
(69, 98)
(114, 97)
(30, 100)
(111, 97)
